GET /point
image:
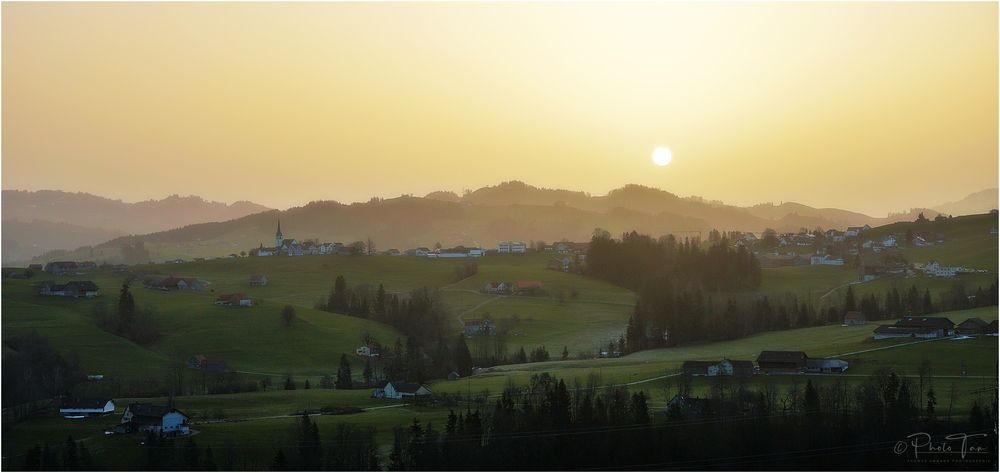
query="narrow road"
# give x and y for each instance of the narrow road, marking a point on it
(831, 291)
(893, 346)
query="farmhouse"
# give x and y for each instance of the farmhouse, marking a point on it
(825, 365)
(140, 417)
(527, 287)
(173, 283)
(367, 351)
(782, 361)
(402, 390)
(510, 247)
(258, 280)
(237, 299)
(972, 326)
(71, 289)
(855, 231)
(854, 318)
(479, 327)
(816, 260)
(60, 267)
(86, 407)
(932, 268)
(718, 368)
(496, 288)
(200, 362)
(915, 327)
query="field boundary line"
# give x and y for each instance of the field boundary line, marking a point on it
(895, 346)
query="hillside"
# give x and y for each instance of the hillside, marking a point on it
(39, 221)
(23, 240)
(977, 202)
(508, 211)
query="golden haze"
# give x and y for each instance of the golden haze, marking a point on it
(870, 107)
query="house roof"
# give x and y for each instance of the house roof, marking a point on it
(151, 411)
(476, 322)
(84, 403)
(973, 322)
(742, 364)
(781, 356)
(410, 388)
(891, 329)
(698, 365)
(931, 322)
(257, 277)
(84, 285)
(854, 315)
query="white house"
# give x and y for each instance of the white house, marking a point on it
(366, 351)
(402, 390)
(889, 241)
(816, 260)
(510, 247)
(139, 417)
(932, 268)
(496, 288)
(86, 408)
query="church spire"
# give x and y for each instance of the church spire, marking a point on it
(278, 237)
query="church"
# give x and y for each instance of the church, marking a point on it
(292, 247)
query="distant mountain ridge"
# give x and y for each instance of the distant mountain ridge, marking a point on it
(38, 221)
(977, 202)
(510, 210)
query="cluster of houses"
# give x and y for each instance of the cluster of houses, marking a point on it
(934, 269)
(236, 299)
(292, 247)
(138, 417)
(522, 287)
(768, 362)
(173, 283)
(64, 267)
(401, 390)
(73, 289)
(934, 327)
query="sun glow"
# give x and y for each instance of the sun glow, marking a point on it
(662, 156)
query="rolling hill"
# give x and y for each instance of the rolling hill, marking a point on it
(35, 222)
(511, 210)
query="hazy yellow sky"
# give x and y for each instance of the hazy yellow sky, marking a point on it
(870, 107)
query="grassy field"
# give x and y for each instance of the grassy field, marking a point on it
(574, 311)
(247, 339)
(807, 282)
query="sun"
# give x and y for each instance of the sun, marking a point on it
(662, 156)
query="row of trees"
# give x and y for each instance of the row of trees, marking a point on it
(548, 426)
(637, 259)
(895, 304)
(419, 314)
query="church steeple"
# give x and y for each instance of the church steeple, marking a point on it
(278, 237)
